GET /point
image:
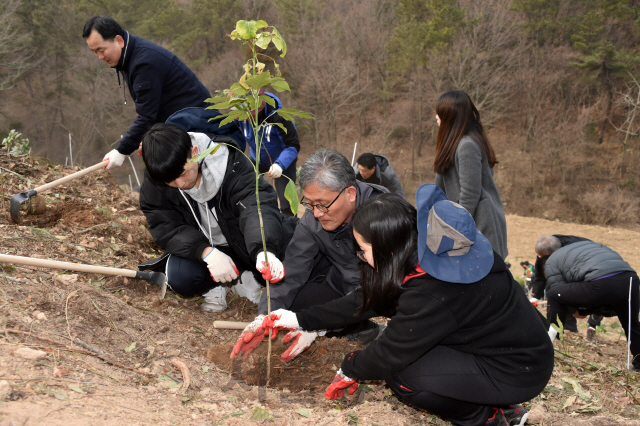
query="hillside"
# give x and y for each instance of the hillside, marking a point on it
(112, 349)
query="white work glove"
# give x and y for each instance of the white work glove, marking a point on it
(115, 159)
(303, 339)
(275, 171)
(221, 267)
(534, 301)
(275, 271)
(280, 318)
(250, 338)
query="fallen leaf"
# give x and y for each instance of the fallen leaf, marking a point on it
(304, 412)
(260, 414)
(131, 347)
(60, 394)
(65, 278)
(569, 402)
(76, 388)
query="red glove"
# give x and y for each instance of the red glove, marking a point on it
(303, 339)
(339, 384)
(280, 318)
(251, 337)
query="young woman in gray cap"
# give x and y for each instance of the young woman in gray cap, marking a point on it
(463, 341)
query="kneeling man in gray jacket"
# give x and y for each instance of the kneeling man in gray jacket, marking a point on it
(592, 275)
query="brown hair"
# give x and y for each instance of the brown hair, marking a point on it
(458, 117)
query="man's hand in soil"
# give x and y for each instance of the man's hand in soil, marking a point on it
(274, 272)
(250, 338)
(303, 339)
(221, 266)
(280, 318)
(339, 384)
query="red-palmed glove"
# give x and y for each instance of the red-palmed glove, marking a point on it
(339, 384)
(275, 271)
(251, 337)
(303, 339)
(280, 318)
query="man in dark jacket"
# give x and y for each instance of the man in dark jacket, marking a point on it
(204, 214)
(374, 168)
(159, 83)
(320, 260)
(590, 274)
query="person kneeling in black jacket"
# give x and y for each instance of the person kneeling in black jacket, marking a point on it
(463, 341)
(204, 215)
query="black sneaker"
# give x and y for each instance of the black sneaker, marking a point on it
(498, 419)
(516, 415)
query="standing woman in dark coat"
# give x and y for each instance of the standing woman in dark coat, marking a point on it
(464, 166)
(462, 342)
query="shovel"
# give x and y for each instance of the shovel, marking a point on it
(20, 198)
(156, 278)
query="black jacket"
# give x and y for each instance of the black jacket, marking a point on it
(383, 176)
(159, 83)
(491, 319)
(174, 228)
(539, 281)
(312, 244)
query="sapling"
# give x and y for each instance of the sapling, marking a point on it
(242, 102)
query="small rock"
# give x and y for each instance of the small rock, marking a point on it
(32, 354)
(4, 386)
(60, 371)
(537, 415)
(41, 316)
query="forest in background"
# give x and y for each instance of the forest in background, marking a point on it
(557, 83)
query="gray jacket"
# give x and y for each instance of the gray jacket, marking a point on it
(469, 182)
(582, 261)
(309, 243)
(383, 176)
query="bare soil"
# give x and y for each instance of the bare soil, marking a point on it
(112, 348)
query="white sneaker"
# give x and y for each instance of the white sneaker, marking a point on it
(215, 300)
(248, 287)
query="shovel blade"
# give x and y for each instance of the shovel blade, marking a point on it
(16, 202)
(155, 278)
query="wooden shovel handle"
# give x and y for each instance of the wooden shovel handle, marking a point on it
(55, 264)
(230, 325)
(71, 177)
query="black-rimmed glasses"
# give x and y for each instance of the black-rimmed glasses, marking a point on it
(321, 207)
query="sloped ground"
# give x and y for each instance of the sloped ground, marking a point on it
(112, 350)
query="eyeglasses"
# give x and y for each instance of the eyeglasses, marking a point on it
(320, 207)
(361, 256)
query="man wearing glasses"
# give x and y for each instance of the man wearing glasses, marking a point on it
(321, 263)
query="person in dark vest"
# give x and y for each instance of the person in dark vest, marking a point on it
(374, 168)
(159, 82)
(279, 149)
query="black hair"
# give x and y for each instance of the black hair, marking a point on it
(389, 223)
(165, 150)
(367, 160)
(105, 25)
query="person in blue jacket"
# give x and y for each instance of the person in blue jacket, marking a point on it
(279, 152)
(159, 82)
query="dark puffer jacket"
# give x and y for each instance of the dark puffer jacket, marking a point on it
(159, 83)
(174, 228)
(383, 176)
(582, 261)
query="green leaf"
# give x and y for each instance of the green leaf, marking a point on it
(211, 150)
(39, 231)
(60, 394)
(281, 126)
(238, 90)
(260, 414)
(279, 84)
(260, 80)
(261, 24)
(76, 388)
(279, 42)
(585, 396)
(131, 347)
(216, 99)
(304, 412)
(291, 195)
(234, 115)
(245, 29)
(295, 113)
(263, 40)
(267, 99)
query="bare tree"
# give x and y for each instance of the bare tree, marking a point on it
(16, 57)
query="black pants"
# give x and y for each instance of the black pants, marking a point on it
(190, 277)
(316, 291)
(281, 184)
(612, 291)
(457, 387)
